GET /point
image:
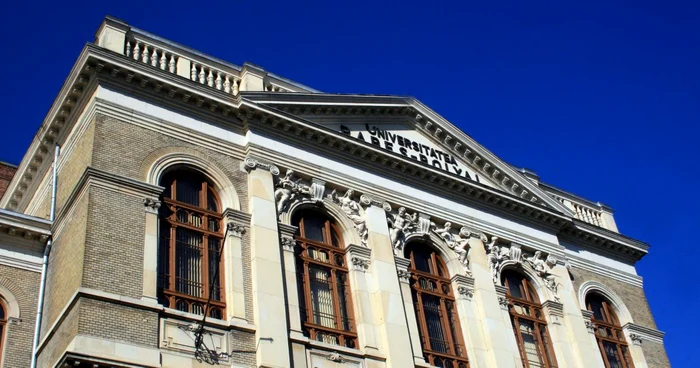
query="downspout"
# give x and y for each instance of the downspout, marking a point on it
(45, 263)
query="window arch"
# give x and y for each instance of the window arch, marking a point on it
(3, 326)
(324, 288)
(528, 321)
(436, 311)
(608, 332)
(189, 247)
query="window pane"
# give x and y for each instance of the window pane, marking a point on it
(612, 355)
(342, 293)
(214, 272)
(530, 343)
(436, 334)
(188, 190)
(188, 262)
(452, 315)
(313, 228)
(211, 201)
(323, 308)
(514, 283)
(421, 260)
(164, 256)
(596, 306)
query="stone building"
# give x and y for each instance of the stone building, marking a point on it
(214, 214)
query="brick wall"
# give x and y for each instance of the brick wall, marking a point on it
(116, 322)
(63, 335)
(636, 302)
(24, 286)
(7, 171)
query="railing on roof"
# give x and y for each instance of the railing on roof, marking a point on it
(594, 214)
(196, 69)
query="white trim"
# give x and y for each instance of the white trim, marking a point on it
(623, 314)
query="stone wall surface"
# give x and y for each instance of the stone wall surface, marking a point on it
(655, 354)
(61, 337)
(24, 286)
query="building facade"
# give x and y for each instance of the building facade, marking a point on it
(212, 214)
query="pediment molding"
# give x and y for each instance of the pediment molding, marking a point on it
(422, 119)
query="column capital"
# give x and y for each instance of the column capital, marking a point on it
(287, 230)
(359, 257)
(151, 205)
(555, 310)
(251, 163)
(638, 333)
(287, 243)
(372, 200)
(502, 299)
(465, 286)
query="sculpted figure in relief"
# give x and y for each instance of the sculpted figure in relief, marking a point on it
(352, 209)
(288, 188)
(455, 242)
(543, 267)
(497, 255)
(400, 225)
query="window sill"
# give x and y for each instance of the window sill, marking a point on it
(234, 322)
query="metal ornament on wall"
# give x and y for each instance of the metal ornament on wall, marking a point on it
(353, 211)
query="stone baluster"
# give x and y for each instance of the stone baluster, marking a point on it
(127, 52)
(172, 64)
(202, 75)
(227, 85)
(144, 56)
(217, 82)
(137, 51)
(154, 57)
(163, 62)
(210, 79)
(235, 87)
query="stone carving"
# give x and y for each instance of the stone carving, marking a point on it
(400, 225)
(352, 210)
(590, 326)
(252, 164)
(151, 205)
(288, 243)
(455, 242)
(360, 264)
(503, 302)
(465, 292)
(543, 267)
(335, 357)
(636, 339)
(235, 229)
(404, 276)
(499, 254)
(288, 188)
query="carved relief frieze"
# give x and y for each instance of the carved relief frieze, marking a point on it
(543, 268)
(401, 224)
(353, 211)
(459, 243)
(500, 253)
(289, 189)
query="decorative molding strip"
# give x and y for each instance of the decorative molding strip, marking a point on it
(251, 163)
(640, 333)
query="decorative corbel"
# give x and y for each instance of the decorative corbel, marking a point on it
(151, 205)
(251, 163)
(287, 243)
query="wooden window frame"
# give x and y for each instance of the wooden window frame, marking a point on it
(443, 291)
(535, 315)
(3, 327)
(169, 220)
(612, 324)
(346, 337)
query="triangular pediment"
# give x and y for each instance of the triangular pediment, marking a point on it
(408, 142)
(405, 127)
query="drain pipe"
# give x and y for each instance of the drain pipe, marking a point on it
(45, 263)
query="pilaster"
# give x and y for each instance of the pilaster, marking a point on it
(269, 304)
(499, 343)
(385, 290)
(635, 336)
(359, 260)
(472, 332)
(288, 243)
(404, 275)
(150, 251)
(237, 223)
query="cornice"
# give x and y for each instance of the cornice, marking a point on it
(595, 237)
(644, 333)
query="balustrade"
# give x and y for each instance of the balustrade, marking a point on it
(166, 60)
(583, 213)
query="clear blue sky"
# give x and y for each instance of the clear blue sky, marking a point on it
(599, 98)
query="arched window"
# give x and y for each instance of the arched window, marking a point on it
(608, 333)
(529, 324)
(191, 238)
(324, 288)
(3, 326)
(436, 312)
